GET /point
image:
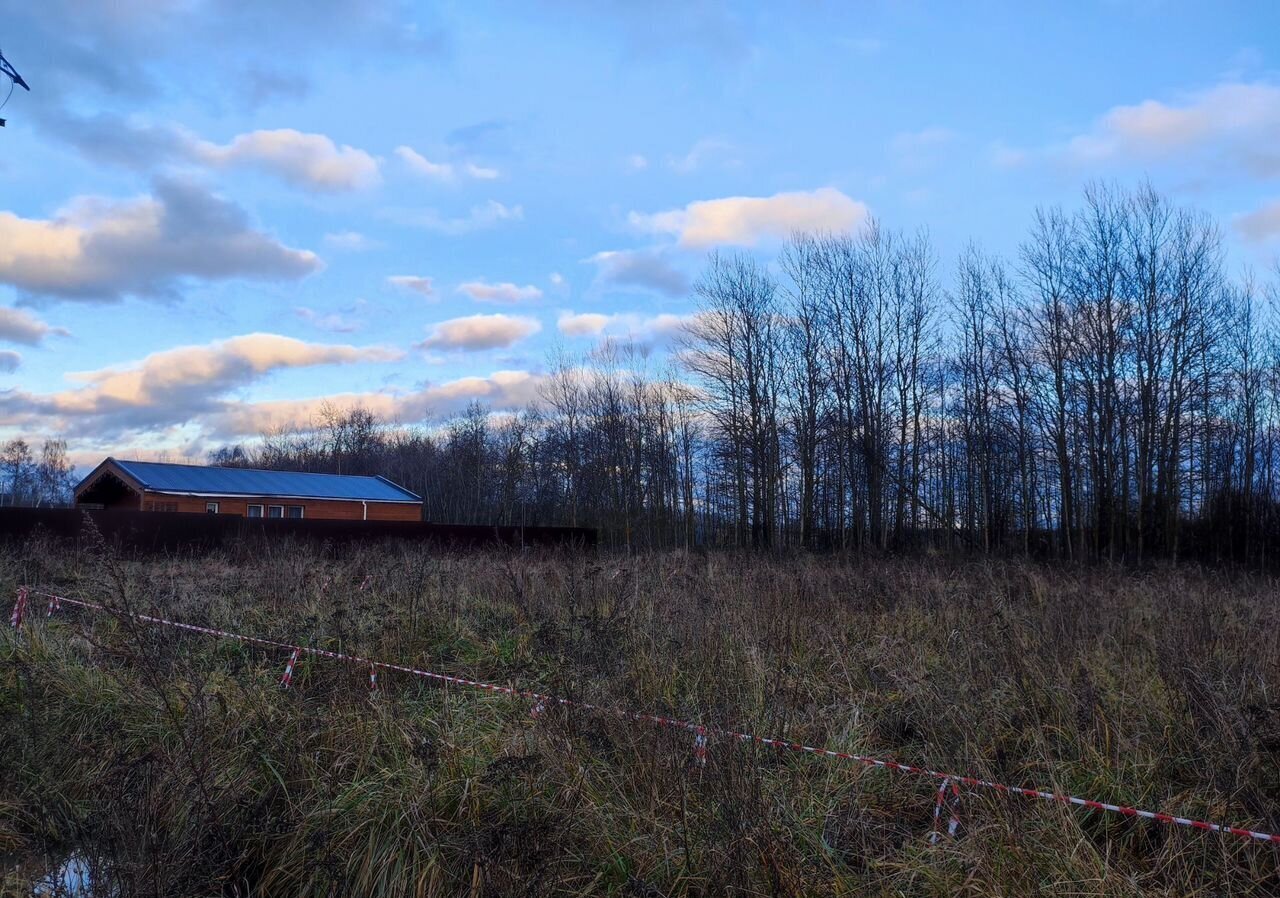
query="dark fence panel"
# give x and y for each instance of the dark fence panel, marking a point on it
(166, 531)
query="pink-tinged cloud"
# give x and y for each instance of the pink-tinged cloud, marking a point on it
(749, 220)
(504, 293)
(312, 161)
(478, 332)
(1239, 120)
(98, 249)
(173, 386)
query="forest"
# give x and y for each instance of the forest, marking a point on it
(1112, 391)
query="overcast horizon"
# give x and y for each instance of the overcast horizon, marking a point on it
(215, 218)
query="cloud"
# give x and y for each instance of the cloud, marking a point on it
(703, 152)
(644, 330)
(105, 137)
(101, 249)
(20, 326)
(583, 324)
(637, 162)
(421, 285)
(488, 135)
(173, 386)
(351, 241)
(305, 160)
(505, 293)
(1239, 120)
(260, 85)
(137, 49)
(443, 171)
(483, 216)
(1260, 225)
(747, 220)
(1007, 157)
(646, 269)
(9, 361)
(501, 390)
(478, 332)
(333, 322)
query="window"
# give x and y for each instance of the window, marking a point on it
(275, 511)
(160, 506)
(211, 507)
(294, 511)
(255, 511)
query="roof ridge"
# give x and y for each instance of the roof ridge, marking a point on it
(174, 464)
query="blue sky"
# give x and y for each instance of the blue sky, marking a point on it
(214, 216)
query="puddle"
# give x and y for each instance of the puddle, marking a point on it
(75, 876)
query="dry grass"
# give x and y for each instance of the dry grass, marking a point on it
(179, 759)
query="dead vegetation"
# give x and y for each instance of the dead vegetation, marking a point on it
(180, 761)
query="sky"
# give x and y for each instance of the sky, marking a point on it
(217, 216)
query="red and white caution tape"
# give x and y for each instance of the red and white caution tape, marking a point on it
(953, 825)
(700, 731)
(700, 746)
(20, 607)
(287, 680)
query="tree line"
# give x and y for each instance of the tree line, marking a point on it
(1108, 391)
(35, 480)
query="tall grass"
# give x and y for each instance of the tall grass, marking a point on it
(179, 759)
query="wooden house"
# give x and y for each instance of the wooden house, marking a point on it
(247, 492)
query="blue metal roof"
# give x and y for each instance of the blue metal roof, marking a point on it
(199, 480)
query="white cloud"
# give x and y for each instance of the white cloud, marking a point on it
(482, 216)
(645, 330)
(501, 390)
(478, 332)
(20, 326)
(1262, 224)
(9, 361)
(647, 269)
(703, 152)
(479, 172)
(443, 171)
(747, 220)
(304, 160)
(307, 160)
(351, 241)
(1007, 157)
(637, 162)
(173, 386)
(423, 286)
(557, 279)
(99, 249)
(1238, 119)
(583, 324)
(505, 293)
(333, 322)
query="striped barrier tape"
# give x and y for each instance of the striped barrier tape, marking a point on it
(953, 824)
(19, 607)
(287, 680)
(700, 731)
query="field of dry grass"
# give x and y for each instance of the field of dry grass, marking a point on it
(180, 762)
